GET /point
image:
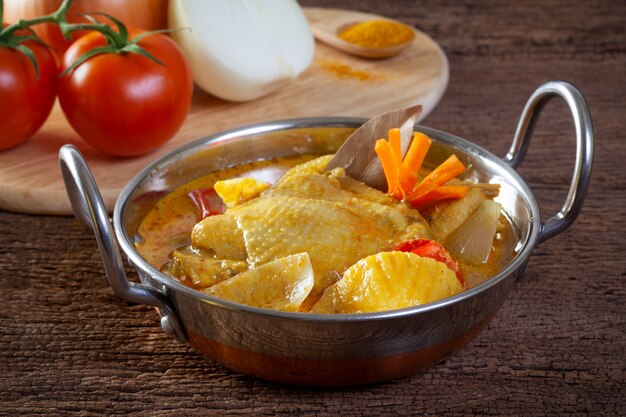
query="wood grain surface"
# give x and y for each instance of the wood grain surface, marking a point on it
(68, 346)
(335, 84)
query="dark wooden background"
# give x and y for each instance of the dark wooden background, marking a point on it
(68, 346)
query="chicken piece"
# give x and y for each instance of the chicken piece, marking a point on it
(282, 284)
(313, 185)
(203, 272)
(220, 238)
(415, 231)
(337, 186)
(366, 192)
(388, 281)
(314, 166)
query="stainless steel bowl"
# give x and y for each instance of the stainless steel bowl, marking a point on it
(322, 349)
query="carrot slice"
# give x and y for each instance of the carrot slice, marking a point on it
(449, 169)
(396, 145)
(388, 160)
(395, 142)
(403, 175)
(443, 192)
(413, 162)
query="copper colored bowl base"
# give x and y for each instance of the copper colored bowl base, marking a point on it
(313, 372)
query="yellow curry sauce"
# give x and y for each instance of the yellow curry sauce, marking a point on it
(167, 227)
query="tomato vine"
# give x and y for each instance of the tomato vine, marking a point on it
(117, 40)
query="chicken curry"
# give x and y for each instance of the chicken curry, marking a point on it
(286, 234)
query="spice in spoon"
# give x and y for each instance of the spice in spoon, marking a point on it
(377, 34)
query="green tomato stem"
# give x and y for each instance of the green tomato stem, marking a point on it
(59, 15)
(118, 41)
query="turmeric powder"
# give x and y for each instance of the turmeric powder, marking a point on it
(343, 71)
(377, 34)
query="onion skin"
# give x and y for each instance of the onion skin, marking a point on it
(144, 14)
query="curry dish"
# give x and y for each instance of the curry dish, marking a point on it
(285, 234)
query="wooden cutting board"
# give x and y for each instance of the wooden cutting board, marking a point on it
(335, 84)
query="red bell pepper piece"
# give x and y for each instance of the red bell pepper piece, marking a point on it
(431, 249)
(207, 201)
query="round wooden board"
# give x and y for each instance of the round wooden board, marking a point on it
(335, 84)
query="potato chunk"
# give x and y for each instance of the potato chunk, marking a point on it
(388, 281)
(239, 190)
(282, 284)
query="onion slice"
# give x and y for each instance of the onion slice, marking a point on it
(473, 240)
(240, 50)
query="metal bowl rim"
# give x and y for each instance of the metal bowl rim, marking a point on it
(183, 151)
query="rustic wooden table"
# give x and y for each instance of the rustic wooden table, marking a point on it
(68, 346)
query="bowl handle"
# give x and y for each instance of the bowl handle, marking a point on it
(584, 149)
(89, 208)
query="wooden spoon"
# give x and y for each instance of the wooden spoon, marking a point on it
(327, 24)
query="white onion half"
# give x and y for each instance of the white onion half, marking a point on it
(240, 50)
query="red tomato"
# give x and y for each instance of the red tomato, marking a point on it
(431, 249)
(25, 99)
(126, 104)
